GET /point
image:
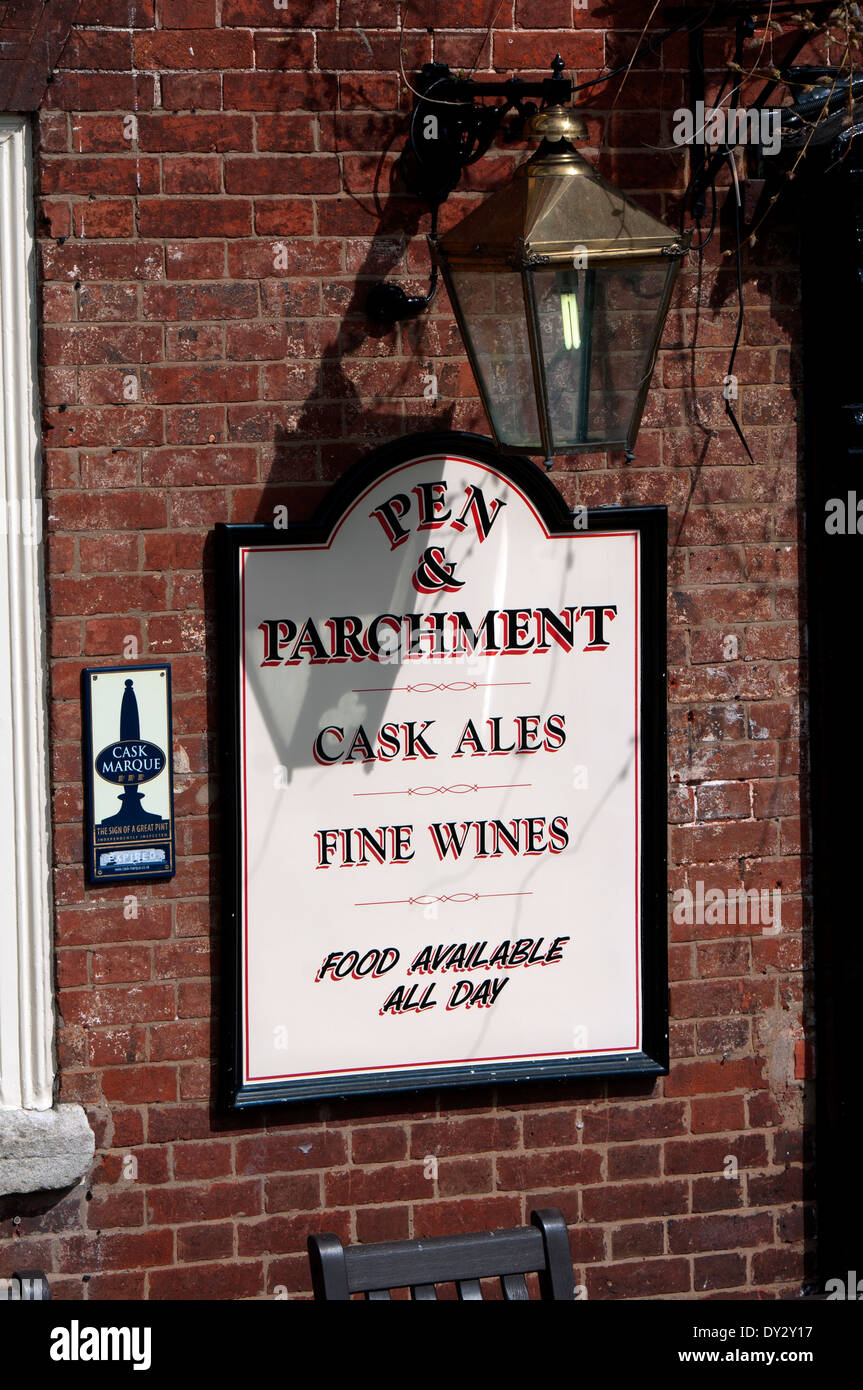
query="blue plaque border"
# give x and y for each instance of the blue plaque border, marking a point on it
(132, 873)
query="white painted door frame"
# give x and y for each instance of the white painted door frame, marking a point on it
(26, 995)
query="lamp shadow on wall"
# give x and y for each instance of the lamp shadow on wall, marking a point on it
(374, 383)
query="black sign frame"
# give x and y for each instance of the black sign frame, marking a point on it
(651, 524)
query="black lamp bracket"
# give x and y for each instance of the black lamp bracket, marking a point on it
(450, 128)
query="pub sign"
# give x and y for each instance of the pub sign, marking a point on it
(444, 767)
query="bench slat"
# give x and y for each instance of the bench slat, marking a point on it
(514, 1288)
(469, 1290)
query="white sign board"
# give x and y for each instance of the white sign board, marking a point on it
(437, 734)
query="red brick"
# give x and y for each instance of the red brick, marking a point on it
(113, 1046)
(138, 1084)
(119, 468)
(122, 1251)
(200, 91)
(637, 1238)
(213, 1241)
(635, 1161)
(713, 842)
(187, 14)
(112, 1209)
(212, 217)
(284, 51)
(123, 14)
(123, 425)
(711, 1155)
(279, 92)
(120, 964)
(288, 1152)
(115, 91)
(447, 1137)
(210, 1159)
(720, 1112)
(72, 595)
(286, 1233)
(208, 134)
(192, 50)
(91, 925)
(392, 1182)
(383, 1223)
(353, 52)
(724, 801)
(181, 959)
(706, 1077)
(776, 1189)
(224, 1280)
(179, 1041)
(102, 344)
(469, 1214)
(644, 1121)
(463, 1176)
(549, 1129)
(778, 1266)
(105, 302)
(205, 1202)
(120, 1004)
(317, 14)
(294, 1192)
(169, 385)
(379, 1144)
(194, 343)
(576, 1166)
(290, 133)
(718, 1272)
(694, 1234)
(285, 217)
(616, 1202)
(644, 1279)
(196, 174)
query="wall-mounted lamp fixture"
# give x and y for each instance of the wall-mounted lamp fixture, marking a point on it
(560, 284)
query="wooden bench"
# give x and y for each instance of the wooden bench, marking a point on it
(420, 1265)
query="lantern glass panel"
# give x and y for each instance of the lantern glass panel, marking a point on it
(493, 321)
(597, 328)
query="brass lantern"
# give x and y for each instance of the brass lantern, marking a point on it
(561, 285)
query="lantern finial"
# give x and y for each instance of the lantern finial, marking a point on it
(558, 123)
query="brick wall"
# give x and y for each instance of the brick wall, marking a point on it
(185, 148)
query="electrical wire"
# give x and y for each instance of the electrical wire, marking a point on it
(729, 411)
(439, 101)
(649, 47)
(702, 245)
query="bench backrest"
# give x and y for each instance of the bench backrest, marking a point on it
(339, 1271)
